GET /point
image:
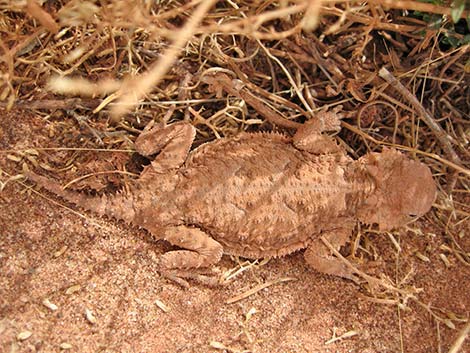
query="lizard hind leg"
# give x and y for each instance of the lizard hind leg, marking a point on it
(171, 142)
(320, 258)
(200, 250)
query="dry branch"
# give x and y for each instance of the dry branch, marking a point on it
(136, 88)
(418, 6)
(440, 134)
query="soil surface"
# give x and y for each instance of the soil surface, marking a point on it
(71, 281)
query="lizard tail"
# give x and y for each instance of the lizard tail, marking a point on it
(117, 206)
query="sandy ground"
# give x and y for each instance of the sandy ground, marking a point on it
(74, 282)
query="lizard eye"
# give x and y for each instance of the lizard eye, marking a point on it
(412, 215)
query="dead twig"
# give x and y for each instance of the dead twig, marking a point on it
(107, 172)
(37, 12)
(418, 6)
(443, 138)
(53, 104)
(223, 81)
(258, 288)
(139, 86)
(463, 334)
(434, 156)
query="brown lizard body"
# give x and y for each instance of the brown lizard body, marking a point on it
(261, 195)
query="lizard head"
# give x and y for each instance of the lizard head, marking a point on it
(404, 189)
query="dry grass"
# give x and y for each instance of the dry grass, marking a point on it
(243, 65)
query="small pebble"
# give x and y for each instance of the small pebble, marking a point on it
(90, 317)
(65, 346)
(162, 306)
(73, 289)
(24, 335)
(49, 305)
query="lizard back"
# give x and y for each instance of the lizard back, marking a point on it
(260, 196)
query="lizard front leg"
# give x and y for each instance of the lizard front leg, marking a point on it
(172, 141)
(200, 251)
(320, 258)
(309, 136)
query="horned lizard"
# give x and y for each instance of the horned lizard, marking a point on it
(260, 195)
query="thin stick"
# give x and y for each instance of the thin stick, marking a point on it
(76, 180)
(257, 288)
(53, 104)
(418, 6)
(264, 110)
(434, 156)
(424, 114)
(139, 86)
(24, 150)
(459, 341)
(31, 188)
